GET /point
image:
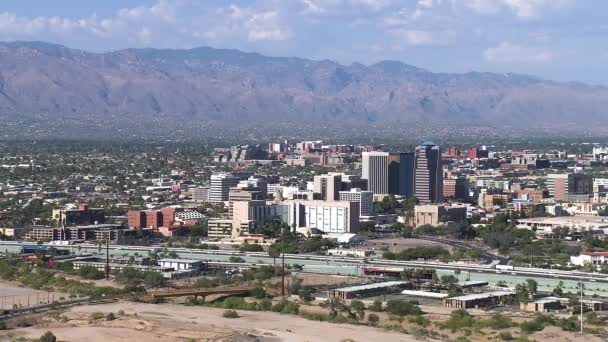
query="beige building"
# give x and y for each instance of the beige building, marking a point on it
(15, 233)
(328, 186)
(226, 229)
(434, 214)
(249, 211)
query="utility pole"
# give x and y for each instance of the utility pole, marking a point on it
(283, 263)
(107, 259)
(581, 307)
(531, 252)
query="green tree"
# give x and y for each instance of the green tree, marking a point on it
(358, 307)
(153, 279)
(532, 286)
(401, 307)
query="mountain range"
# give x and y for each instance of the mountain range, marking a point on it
(41, 82)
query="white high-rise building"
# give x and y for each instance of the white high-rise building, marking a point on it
(364, 198)
(428, 173)
(374, 168)
(220, 186)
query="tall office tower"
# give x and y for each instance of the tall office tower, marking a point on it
(220, 186)
(389, 173)
(456, 188)
(374, 168)
(406, 174)
(428, 173)
(328, 186)
(571, 187)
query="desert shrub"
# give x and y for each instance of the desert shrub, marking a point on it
(459, 319)
(497, 321)
(401, 307)
(314, 316)
(505, 336)
(373, 319)
(258, 292)
(230, 314)
(96, 315)
(264, 305)
(48, 337)
(420, 320)
(395, 327)
(286, 307)
(23, 323)
(376, 306)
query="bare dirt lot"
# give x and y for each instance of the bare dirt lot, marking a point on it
(11, 295)
(168, 322)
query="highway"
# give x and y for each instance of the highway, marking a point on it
(352, 266)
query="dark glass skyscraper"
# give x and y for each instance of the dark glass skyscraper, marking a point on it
(389, 173)
(428, 173)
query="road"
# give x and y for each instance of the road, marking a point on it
(352, 266)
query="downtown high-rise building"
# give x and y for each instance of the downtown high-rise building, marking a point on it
(328, 186)
(389, 173)
(428, 173)
(374, 168)
(570, 187)
(221, 183)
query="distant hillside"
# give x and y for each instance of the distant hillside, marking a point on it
(43, 82)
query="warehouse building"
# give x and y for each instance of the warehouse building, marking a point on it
(479, 300)
(369, 290)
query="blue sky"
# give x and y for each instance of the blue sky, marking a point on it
(564, 40)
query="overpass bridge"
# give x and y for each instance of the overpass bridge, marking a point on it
(152, 295)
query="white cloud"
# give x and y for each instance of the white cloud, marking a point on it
(483, 6)
(178, 23)
(523, 9)
(418, 37)
(508, 53)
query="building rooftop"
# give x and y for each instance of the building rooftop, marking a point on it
(604, 254)
(573, 219)
(183, 261)
(472, 283)
(476, 296)
(425, 294)
(552, 299)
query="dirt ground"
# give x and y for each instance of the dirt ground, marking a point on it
(12, 294)
(168, 323)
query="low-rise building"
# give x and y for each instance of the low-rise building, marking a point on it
(577, 225)
(183, 264)
(350, 252)
(434, 214)
(368, 290)
(480, 300)
(111, 232)
(590, 258)
(81, 216)
(549, 304)
(15, 233)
